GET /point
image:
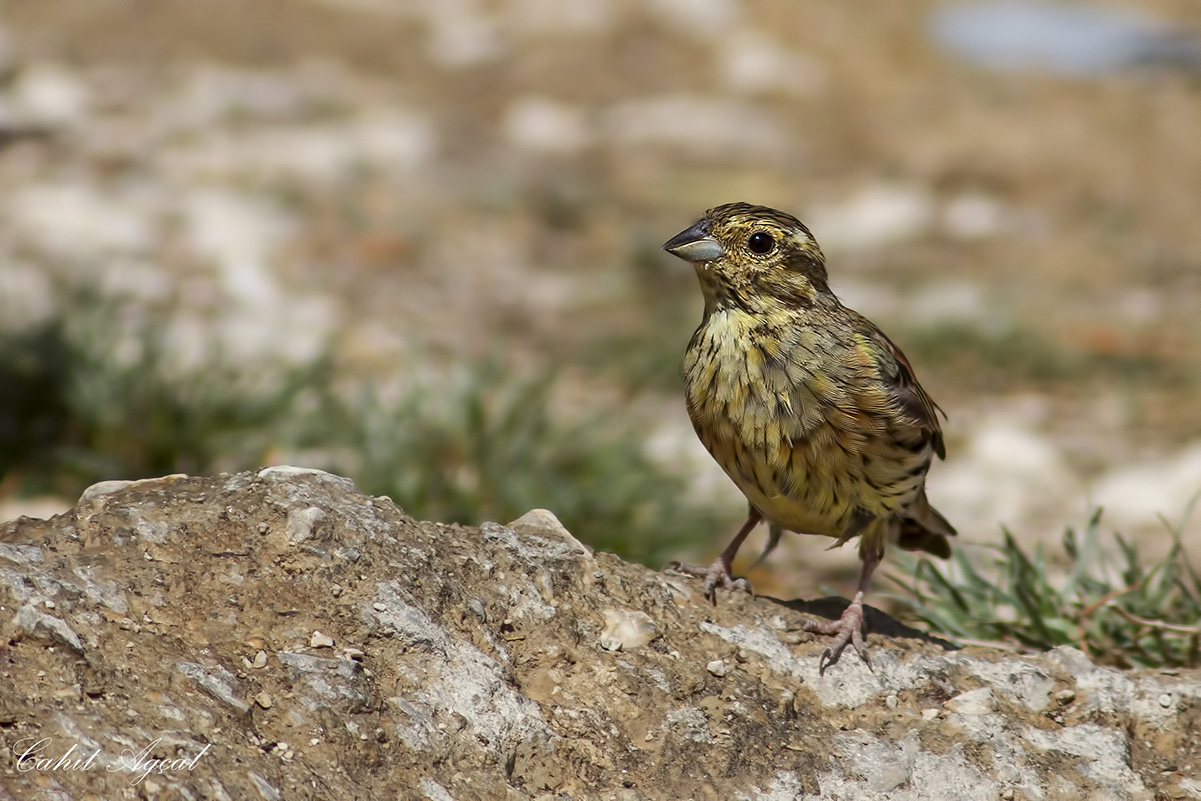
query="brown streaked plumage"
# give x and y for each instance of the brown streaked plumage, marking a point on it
(809, 408)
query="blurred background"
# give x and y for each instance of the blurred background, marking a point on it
(417, 243)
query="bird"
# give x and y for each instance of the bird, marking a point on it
(813, 413)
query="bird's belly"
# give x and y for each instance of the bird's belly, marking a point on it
(815, 484)
(811, 513)
(791, 493)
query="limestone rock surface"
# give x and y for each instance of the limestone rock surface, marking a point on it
(279, 635)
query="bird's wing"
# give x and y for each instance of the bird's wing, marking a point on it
(897, 373)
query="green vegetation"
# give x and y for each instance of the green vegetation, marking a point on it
(91, 395)
(1121, 612)
(94, 393)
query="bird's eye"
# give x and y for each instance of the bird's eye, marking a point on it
(760, 242)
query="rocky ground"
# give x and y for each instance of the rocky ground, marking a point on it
(422, 181)
(279, 635)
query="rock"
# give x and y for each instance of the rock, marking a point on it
(31, 623)
(696, 124)
(184, 619)
(875, 217)
(51, 94)
(626, 630)
(239, 236)
(1008, 472)
(754, 64)
(458, 40)
(973, 702)
(949, 301)
(703, 19)
(541, 125)
(102, 488)
(1137, 495)
(76, 220)
(392, 140)
(972, 216)
(542, 522)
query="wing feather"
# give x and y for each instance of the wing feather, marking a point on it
(897, 373)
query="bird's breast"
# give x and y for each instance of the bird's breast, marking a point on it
(776, 406)
(746, 379)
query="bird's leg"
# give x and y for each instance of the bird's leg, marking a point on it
(849, 627)
(718, 573)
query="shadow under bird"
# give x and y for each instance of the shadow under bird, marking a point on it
(810, 409)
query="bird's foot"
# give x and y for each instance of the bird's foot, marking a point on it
(848, 629)
(715, 575)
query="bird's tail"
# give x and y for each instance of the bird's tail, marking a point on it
(924, 529)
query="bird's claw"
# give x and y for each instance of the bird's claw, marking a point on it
(847, 630)
(726, 582)
(716, 575)
(834, 651)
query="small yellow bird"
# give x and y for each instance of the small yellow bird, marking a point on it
(813, 413)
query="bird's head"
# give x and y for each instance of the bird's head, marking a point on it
(752, 256)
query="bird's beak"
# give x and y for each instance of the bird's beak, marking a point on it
(695, 244)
